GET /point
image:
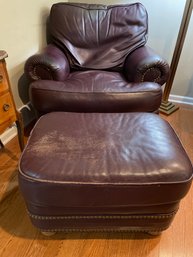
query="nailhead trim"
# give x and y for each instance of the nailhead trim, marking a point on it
(149, 70)
(104, 230)
(163, 216)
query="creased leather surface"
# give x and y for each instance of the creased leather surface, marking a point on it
(98, 36)
(95, 91)
(98, 159)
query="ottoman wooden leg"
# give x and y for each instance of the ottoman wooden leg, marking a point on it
(154, 233)
(48, 233)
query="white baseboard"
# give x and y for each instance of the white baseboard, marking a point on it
(8, 134)
(181, 99)
(11, 132)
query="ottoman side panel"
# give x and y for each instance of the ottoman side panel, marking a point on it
(65, 195)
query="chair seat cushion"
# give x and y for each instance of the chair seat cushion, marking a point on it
(95, 91)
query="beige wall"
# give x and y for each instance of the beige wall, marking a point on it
(22, 33)
(183, 83)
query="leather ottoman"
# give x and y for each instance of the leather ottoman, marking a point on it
(103, 172)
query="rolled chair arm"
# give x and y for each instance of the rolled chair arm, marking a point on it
(51, 64)
(143, 64)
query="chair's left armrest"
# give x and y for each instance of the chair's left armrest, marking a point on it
(50, 64)
(143, 64)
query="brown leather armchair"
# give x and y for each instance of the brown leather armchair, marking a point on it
(97, 61)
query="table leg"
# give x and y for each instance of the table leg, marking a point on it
(20, 131)
(1, 144)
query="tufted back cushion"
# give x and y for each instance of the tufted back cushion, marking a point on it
(98, 36)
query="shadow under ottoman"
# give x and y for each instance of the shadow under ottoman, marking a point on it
(103, 171)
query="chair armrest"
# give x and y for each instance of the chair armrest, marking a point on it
(51, 64)
(143, 64)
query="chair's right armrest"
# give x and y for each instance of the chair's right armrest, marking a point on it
(144, 64)
(51, 64)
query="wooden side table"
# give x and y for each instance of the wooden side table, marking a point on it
(8, 111)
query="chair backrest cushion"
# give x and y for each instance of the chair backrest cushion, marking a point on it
(98, 36)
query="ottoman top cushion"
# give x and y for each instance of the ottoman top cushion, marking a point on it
(104, 148)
